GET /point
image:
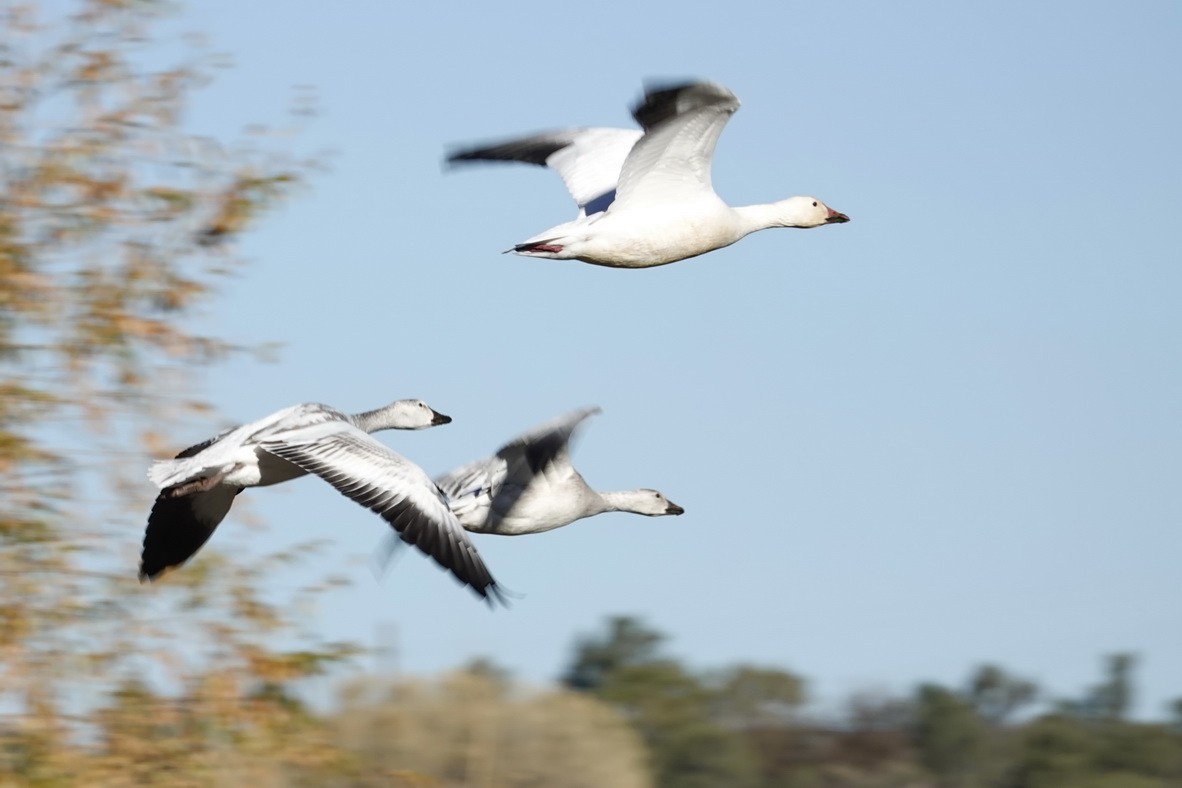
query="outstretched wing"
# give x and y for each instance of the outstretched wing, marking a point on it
(530, 454)
(179, 526)
(481, 491)
(681, 124)
(588, 160)
(365, 470)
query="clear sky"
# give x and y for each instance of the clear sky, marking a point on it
(947, 432)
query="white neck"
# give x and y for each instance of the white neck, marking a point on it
(759, 217)
(624, 501)
(374, 420)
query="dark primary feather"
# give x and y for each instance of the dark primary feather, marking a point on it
(661, 103)
(175, 533)
(532, 150)
(543, 444)
(541, 452)
(196, 449)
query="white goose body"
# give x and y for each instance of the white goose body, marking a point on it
(645, 197)
(199, 485)
(530, 486)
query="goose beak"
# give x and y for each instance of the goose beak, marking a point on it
(674, 509)
(439, 418)
(836, 218)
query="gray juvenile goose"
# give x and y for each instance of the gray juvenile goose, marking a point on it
(530, 486)
(199, 485)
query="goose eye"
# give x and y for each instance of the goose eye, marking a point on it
(814, 203)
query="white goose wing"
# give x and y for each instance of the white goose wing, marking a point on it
(588, 160)
(672, 161)
(362, 468)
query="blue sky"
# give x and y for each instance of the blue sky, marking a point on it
(944, 433)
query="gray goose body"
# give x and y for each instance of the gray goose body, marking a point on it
(199, 485)
(530, 486)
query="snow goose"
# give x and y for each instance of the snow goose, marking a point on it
(530, 486)
(198, 486)
(645, 197)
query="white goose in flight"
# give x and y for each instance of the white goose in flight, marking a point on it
(198, 486)
(645, 197)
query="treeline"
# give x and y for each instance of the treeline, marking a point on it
(747, 726)
(627, 714)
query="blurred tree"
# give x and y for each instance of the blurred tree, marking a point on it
(948, 735)
(671, 709)
(876, 731)
(1111, 699)
(1058, 751)
(996, 694)
(108, 212)
(745, 696)
(1139, 749)
(742, 726)
(760, 706)
(470, 729)
(1055, 753)
(626, 642)
(487, 668)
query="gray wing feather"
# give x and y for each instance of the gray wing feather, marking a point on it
(368, 472)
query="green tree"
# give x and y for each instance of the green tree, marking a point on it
(997, 695)
(746, 696)
(670, 708)
(626, 642)
(1111, 699)
(1058, 751)
(948, 734)
(876, 731)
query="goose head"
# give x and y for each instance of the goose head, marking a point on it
(408, 414)
(806, 212)
(653, 504)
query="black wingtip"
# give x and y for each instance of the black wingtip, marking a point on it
(535, 149)
(174, 534)
(496, 595)
(664, 100)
